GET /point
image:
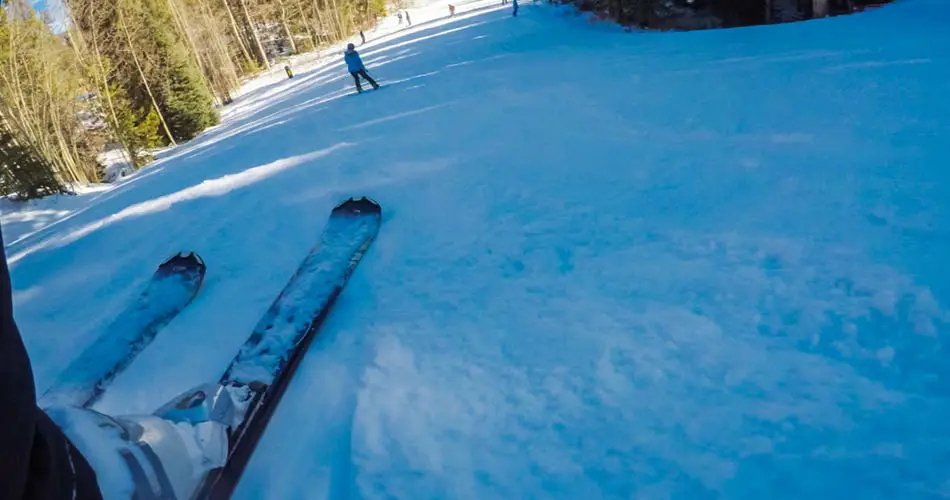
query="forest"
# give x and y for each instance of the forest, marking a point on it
(706, 14)
(134, 75)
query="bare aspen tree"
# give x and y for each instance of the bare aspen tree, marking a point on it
(237, 32)
(183, 28)
(256, 39)
(40, 133)
(283, 22)
(307, 22)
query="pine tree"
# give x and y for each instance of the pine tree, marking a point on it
(187, 100)
(181, 95)
(24, 173)
(45, 142)
(139, 73)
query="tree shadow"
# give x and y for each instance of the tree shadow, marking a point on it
(253, 182)
(262, 112)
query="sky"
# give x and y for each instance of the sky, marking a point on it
(55, 9)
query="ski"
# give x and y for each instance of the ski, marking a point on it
(367, 91)
(171, 288)
(261, 371)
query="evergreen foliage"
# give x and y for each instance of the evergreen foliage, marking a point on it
(138, 74)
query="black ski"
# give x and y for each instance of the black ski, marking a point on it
(172, 287)
(260, 373)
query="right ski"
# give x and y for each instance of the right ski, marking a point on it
(173, 286)
(262, 370)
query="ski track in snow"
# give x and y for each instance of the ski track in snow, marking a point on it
(612, 265)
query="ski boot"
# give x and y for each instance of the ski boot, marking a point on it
(164, 455)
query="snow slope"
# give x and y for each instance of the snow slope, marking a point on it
(612, 265)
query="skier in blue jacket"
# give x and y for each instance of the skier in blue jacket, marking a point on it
(356, 68)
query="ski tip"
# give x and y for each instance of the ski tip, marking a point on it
(355, 206)
(184, 260)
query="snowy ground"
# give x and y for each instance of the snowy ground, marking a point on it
(612, 265)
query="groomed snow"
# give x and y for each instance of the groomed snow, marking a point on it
(612, 265)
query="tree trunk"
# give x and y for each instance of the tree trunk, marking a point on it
(321, 22)
(186, 33)
(237, 32)
(226, 64)
(257, 39)
(183, 28)
(119, 133)
(65, 156)
(338, 15)
(138, 67)
(283, 22)
(307, 24)
(19, 101)
(39, 174)
(97, 71)
(643, 13)
(820, 8)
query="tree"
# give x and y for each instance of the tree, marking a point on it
(124, 25)
(151, 61)
(140, 74)
(46, 139)
(254, 36)
(23, 172)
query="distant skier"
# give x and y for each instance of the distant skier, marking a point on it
(408, 20)
(451, 10)
(362, 37)
(81, 454)
(399, 15)
(356, 68)
(514, 8)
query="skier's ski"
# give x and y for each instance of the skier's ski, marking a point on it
(366, 91)
(258, 376)
(172, 287)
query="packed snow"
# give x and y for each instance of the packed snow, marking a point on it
(612, 264)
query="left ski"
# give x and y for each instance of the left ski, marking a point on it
(173, 286)
(260, 373)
